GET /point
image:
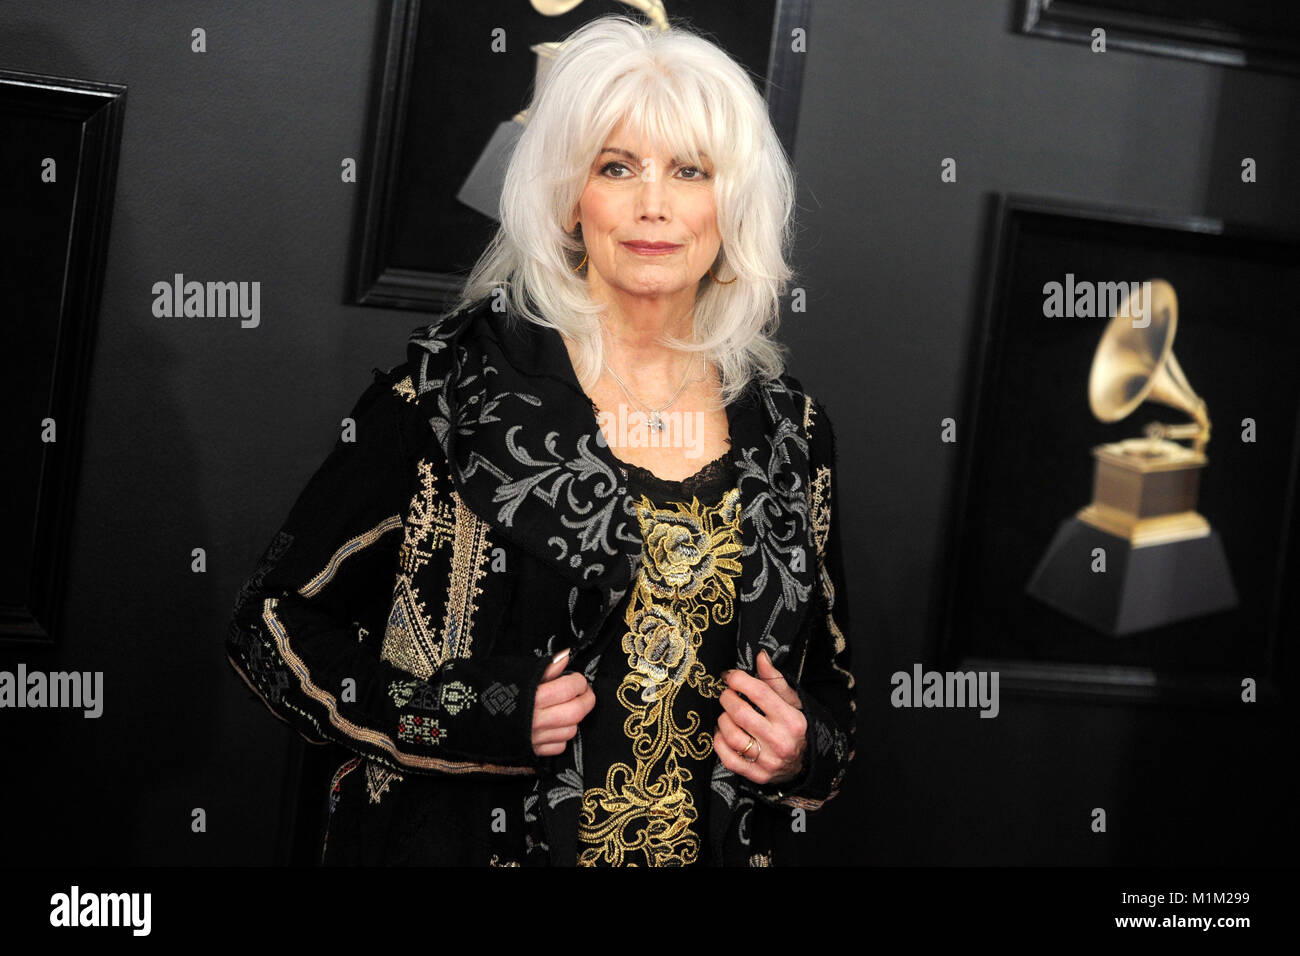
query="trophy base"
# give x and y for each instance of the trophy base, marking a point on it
(1144, 532)
(1143, 586)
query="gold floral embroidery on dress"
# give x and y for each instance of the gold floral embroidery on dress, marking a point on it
(690, 562)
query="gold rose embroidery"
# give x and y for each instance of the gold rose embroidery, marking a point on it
(690, 562)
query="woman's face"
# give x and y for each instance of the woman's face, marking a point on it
(636, 196)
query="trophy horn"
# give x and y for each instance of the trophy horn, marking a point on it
(1136, 363)
(653, 9)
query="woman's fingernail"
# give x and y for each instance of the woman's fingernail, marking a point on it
(560, 656)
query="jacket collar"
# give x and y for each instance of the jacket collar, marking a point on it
(527, 455)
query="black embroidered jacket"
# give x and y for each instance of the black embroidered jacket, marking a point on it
(477, 525)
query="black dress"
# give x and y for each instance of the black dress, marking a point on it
(647, 745)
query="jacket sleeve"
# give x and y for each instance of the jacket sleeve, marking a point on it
(295, 638)
(824, 679)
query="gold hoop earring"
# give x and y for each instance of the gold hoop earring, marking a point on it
(580, 264)
(719, 281)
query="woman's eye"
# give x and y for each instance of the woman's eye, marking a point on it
(693, 173)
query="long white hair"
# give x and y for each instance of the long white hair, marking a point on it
(687, 96)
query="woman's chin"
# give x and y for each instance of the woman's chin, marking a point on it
(651, 283)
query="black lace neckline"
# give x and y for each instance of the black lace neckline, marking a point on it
(714, 476)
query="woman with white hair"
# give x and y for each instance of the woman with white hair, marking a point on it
(575, 594)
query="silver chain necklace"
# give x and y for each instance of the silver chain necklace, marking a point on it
(655, 421)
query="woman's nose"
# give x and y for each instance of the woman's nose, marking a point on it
(652, 196)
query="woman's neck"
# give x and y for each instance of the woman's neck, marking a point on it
(631, 328)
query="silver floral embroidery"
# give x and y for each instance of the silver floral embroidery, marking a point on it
(581, 487)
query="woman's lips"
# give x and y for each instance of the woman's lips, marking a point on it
(652, 248)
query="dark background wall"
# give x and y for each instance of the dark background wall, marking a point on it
(200, 433)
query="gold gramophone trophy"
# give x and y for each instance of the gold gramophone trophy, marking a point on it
(482, 187)
(1163, 562)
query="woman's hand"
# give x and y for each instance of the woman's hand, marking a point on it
(763, 747)
(562, 701)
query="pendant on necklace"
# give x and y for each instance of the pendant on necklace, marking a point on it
(656, 422)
